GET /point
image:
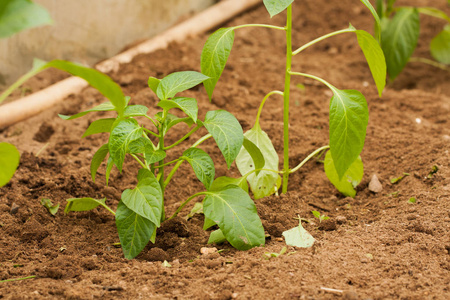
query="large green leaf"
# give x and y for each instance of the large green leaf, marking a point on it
(349, 116)
(265, 183)
(83, 204)
(399, 39)
(376, 17)
(440, 46)
(274, 7)
(221, 182)
(178, 82)
(215, 55)
(135, 111)
(202, 164)
(121, 136)
(99, 126)
(347, 184)
(375, 58)
(134, 231)
(188, 105)
(146, 199)
(235, 214)
(107, 106)
(9, 161)
(226, 131)
(18, 15)
(97, 159)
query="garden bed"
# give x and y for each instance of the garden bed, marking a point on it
(377, 245)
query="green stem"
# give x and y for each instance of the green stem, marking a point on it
(259, 25)
(168, 163)
(315, 78)
(287, 84)
(139, 161)
(262, 105)
(161, 162)
(429, 62)
(321, 39)
(17, 279)
(151, 132)
(153, 121)
(309, 157)
(183, 138)
(201, 140)
(184, 204)
(108, 209)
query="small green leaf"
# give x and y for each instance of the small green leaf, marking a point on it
(9, 161)
(202, 164)
(18, 15)
(440, 46)
(83, 204)
(47, 203)
(146, 199)
(274, 7)
(107, 106)
(376, 17)
(412, 200)
(208, 223)
(188, 105)
(99, 126)
(433, 171)
(226, 131)
(121, 136)
(97, 159)
(216, 237)
(221, 182)
(375, 58)
(434, 12)
(266, 182)
(172, 120)
(134, 231)
(398, 179)
(135, 111)
(352, 177)
(178, 82)
(197, 209)
(109, 166)
(215, 55)
(316, 214)
(399, 39)
(349, 117)
(235, 213)
(153, 83)
(255, 154)
(146, 147)
(298, 237)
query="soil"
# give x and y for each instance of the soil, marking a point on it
(374, 246)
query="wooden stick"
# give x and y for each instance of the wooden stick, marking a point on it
(35, 103)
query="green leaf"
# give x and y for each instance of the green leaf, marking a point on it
(134, 231)
(135, 111)
(18, 15)
(121, 136)
(83, 204)
(349, 116)
(109, 166)
(375, 58)
(216, 237)
(146, 147)
(399, 39)
(221, 182)
(352, 177)
(99, 126)
(107, 106)
(202, 164)
(9, 161)
(215, 55)
(153, 83)
(188, 105)
(434, 12)
(47, 203)
(208, 223)
(97, 159)
(178, 82)
(172, 120)
(197, 209)
(298, 237)
(255, 153)
(440, 46)
(235, 213)
(146, 199)
(226, 131)
(376, 17)
(274, 7)
(265, 183)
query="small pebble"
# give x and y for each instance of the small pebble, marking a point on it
(341, 220)
(14, 208)
(375, 185)
(206, 250)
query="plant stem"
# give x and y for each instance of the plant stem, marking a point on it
(315, 78)
(108, 209)
(168, 163)
(150, 132)
(260, 25)
(309, 157)
(262, 105)
(153, 121)
(183, 138)
(321, 39)
(161, 162)
(139, 161)
(184, 204)
(287, 84)
(429, 62)
(17, 279)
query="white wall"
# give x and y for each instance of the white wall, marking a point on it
(88, 31)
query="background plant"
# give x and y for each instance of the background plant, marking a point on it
(348, 108)
(400, 29)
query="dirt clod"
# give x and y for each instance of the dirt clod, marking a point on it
(44, 133)
(375, 185)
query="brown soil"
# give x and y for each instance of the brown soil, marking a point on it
(375, 246)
